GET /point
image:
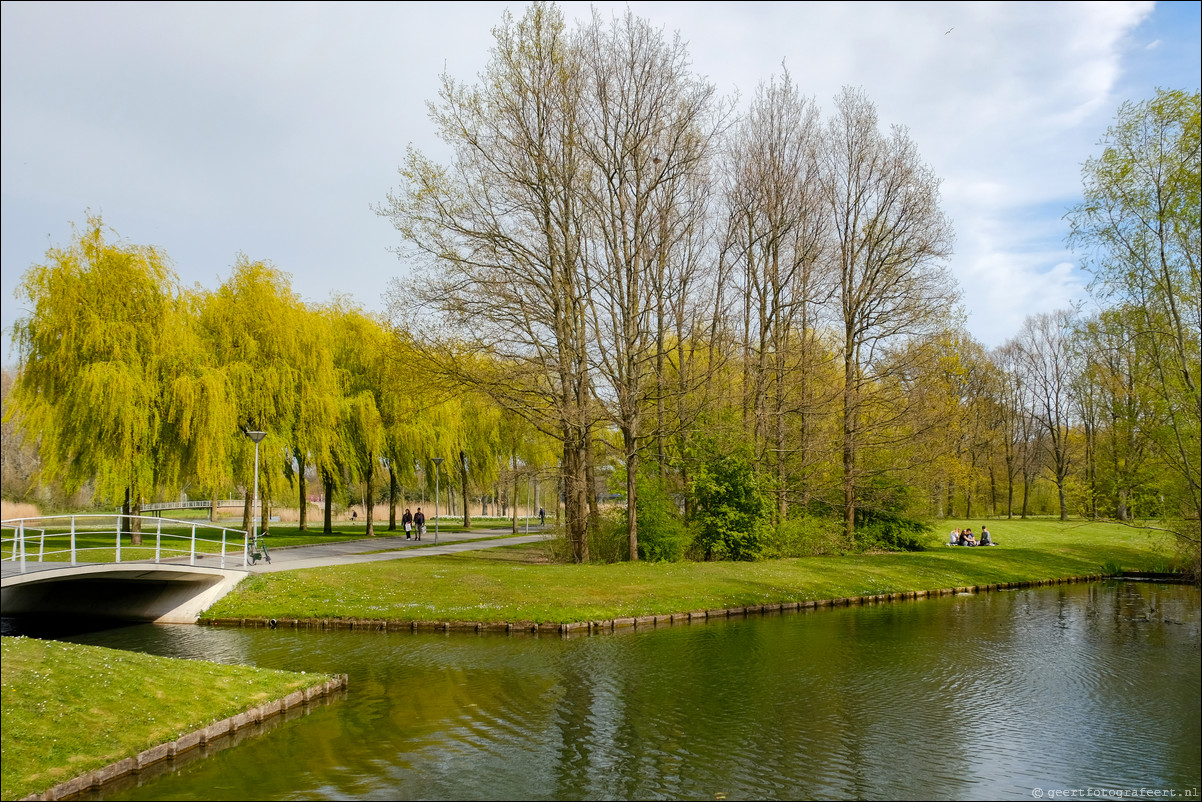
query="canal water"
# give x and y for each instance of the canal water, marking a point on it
(1090, 688)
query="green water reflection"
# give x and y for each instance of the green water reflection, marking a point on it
(968, 697)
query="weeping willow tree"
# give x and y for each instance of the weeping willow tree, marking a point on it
(92, 385)
(202, 409)
(315, 429)
(251, 325)
(358, 343)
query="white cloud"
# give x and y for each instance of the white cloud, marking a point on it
(271, 129)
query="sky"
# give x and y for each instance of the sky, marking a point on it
(272, 130)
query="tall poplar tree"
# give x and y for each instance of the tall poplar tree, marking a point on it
(498, 234)
(890, 240)
(777, 229)
(648, 129)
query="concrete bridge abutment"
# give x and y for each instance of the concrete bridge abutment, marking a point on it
(169, 594)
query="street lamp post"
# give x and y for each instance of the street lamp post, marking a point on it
(254, 508)
(437, 462)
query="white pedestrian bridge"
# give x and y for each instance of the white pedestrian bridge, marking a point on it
(89, 565)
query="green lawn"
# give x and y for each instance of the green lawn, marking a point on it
(516, 584)
(69, 709)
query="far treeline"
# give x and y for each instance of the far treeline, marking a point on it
(741, 326)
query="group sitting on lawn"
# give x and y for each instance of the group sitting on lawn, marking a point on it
(965, 537)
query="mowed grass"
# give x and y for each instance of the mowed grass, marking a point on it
(68, 709)
(517, 584)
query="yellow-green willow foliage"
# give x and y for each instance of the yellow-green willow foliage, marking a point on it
(250, 326)
(358, 343)
(92, 387)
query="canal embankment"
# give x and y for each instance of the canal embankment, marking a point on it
(77, 717)
(515, 587)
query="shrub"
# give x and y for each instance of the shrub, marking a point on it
(607, 541)
(809, 536)
(729, 508)
(663, 535)
(892, 532)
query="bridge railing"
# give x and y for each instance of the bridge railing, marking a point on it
(105, 539)
(203, 504)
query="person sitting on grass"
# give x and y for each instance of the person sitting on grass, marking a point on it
(967, 539)
(954, 538)
(986, 540)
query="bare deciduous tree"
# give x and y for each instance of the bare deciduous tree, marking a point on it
(499, 233)
(648, 132)
(777, 226)
(889, 241)
(1044, 347)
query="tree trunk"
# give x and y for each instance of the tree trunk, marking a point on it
(370, 501)
(514, 505)
(134, 505)
(992, 487)
(849, 445)
(1026, 495)
(590, 484)
(576, 496)
(248, 512)
(632, 494)
(328, 524)
(303, 487)
(467, 515)
(393, 489)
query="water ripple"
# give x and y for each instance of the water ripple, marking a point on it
(968, 697)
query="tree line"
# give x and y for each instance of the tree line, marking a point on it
(745, 321)
(136, 387)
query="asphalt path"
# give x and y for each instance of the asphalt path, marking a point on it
(376, 549)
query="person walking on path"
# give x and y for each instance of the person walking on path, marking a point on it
(542, 517)
(407, 523)
(419, 523)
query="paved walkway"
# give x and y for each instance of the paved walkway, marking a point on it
(375, 549)
(369, 549)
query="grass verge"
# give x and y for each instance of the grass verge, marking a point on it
(69, 709)
(516, 584)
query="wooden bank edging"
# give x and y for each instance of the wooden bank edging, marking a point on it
(609, 625)
(193, 740)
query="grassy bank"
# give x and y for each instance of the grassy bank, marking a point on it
(69, 709)
(516, 584)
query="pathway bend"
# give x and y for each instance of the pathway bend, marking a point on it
(381, 548)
